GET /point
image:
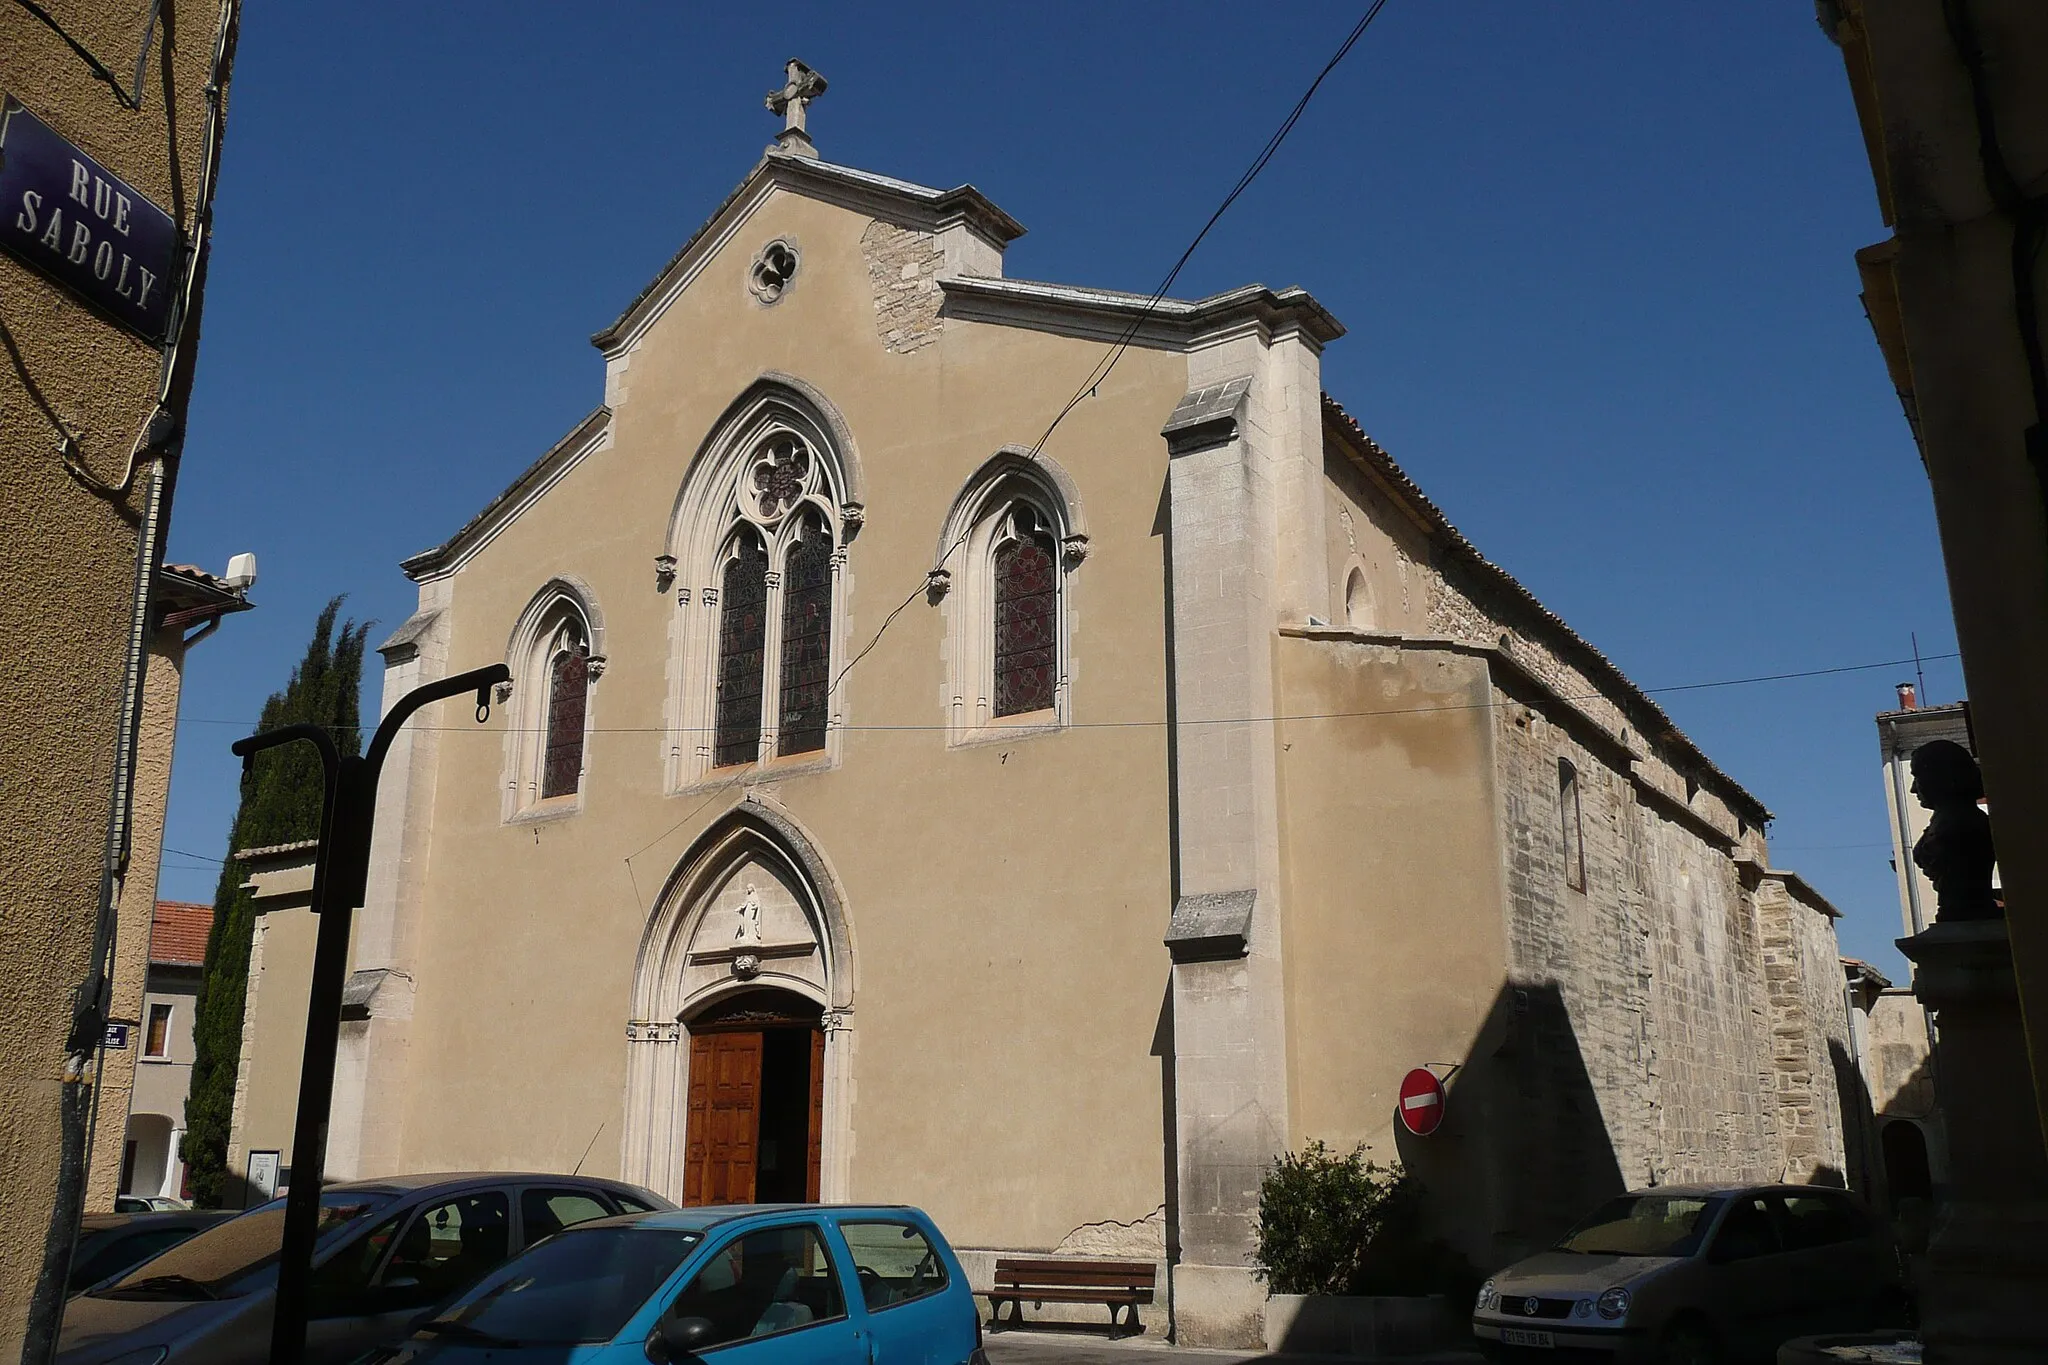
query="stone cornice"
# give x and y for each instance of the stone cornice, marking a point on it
(590, 434)
(1516, 677)
(1111, 315)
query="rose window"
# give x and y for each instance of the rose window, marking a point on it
(780, 476)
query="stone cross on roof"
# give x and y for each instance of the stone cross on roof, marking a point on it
(800, 86)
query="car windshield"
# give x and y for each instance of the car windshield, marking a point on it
(579, 1286)
(224, 1261)
(1644, 1225)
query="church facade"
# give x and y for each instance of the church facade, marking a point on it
(894, 803)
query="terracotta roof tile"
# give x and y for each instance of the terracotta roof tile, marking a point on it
(177, 932)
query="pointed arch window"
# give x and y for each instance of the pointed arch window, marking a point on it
(1006, 565)
(568, 705)
(806, 637)
(1027, 604)
(556, 655)
(742, 650)
(762, 524)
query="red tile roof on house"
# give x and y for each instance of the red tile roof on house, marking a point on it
(177, 933)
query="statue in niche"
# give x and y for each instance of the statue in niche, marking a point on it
(749, 913)
(1955, 852)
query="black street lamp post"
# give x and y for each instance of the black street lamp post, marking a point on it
(341, 873)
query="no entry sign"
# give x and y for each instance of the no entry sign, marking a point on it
(1422, 1102)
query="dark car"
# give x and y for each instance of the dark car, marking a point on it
(791, 1284)
(388, 1251)
(109, 1243)
(1696, 1275)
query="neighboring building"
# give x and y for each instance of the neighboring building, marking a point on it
(112, 122)
(190, 605)
(150, 1163)
(858, 759)
(259, 1151)
(1899, 734)
(1896, 1136)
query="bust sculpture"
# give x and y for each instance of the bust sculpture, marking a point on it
(1955, 852)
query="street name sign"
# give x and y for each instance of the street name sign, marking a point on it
(1422, 1102)
(70, 219)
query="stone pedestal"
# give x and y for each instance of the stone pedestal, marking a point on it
(1987, 1262)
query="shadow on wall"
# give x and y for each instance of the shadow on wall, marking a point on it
(1524, 1151)
(1859, 1128)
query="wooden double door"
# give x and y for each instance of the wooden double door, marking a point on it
(756, 1108)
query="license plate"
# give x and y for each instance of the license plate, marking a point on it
(1522, 1336)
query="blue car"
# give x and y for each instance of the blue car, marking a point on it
(751, 1285)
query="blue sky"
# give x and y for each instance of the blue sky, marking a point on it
(1595, 260)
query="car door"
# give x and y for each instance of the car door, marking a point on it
(446, 1245)
(1745, 1293)
(916, 1314)
(1830, 1248)
(774, 1295)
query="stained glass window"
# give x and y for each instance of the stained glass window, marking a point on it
(742, 651)
(1027, 618)
(806, 639)
(568, 694)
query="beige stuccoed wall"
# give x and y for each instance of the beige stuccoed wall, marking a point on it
(1364, 535)
(161, 688)
(273, 1038)
(1396, 944)
(1007, 902)
(69, 561)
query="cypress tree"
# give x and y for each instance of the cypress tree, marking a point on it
(281, 796)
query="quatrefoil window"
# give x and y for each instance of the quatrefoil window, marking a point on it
(773, 269)
(780, 475)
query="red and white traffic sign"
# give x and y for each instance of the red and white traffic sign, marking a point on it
(1422, 1102)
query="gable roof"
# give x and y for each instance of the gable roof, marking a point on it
(177, 933)
(879, 196)
(534, 480)
(1539, 621)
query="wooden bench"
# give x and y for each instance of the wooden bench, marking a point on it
(1118, 1285)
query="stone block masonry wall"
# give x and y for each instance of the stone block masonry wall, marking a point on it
(903, 269)
(1813, 1078)
(1638, 1019)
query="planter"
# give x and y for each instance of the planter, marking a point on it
(1368, 1328)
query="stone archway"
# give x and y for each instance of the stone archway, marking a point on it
(750, 908)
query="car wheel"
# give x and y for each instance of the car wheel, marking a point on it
(1690, 1342)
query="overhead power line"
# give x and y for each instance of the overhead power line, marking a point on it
(1152, 723)
(1115, 351)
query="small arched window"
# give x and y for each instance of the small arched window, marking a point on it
(568, 703)
(556, 655)
(1006, 563)
(1573, 822)
(742, 650)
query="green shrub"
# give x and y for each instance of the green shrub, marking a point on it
(1333, 1223)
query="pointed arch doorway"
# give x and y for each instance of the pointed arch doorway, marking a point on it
(740, 1039)
(754, 1132)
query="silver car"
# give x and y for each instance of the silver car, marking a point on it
(1696, 1275)
(388, 1252)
